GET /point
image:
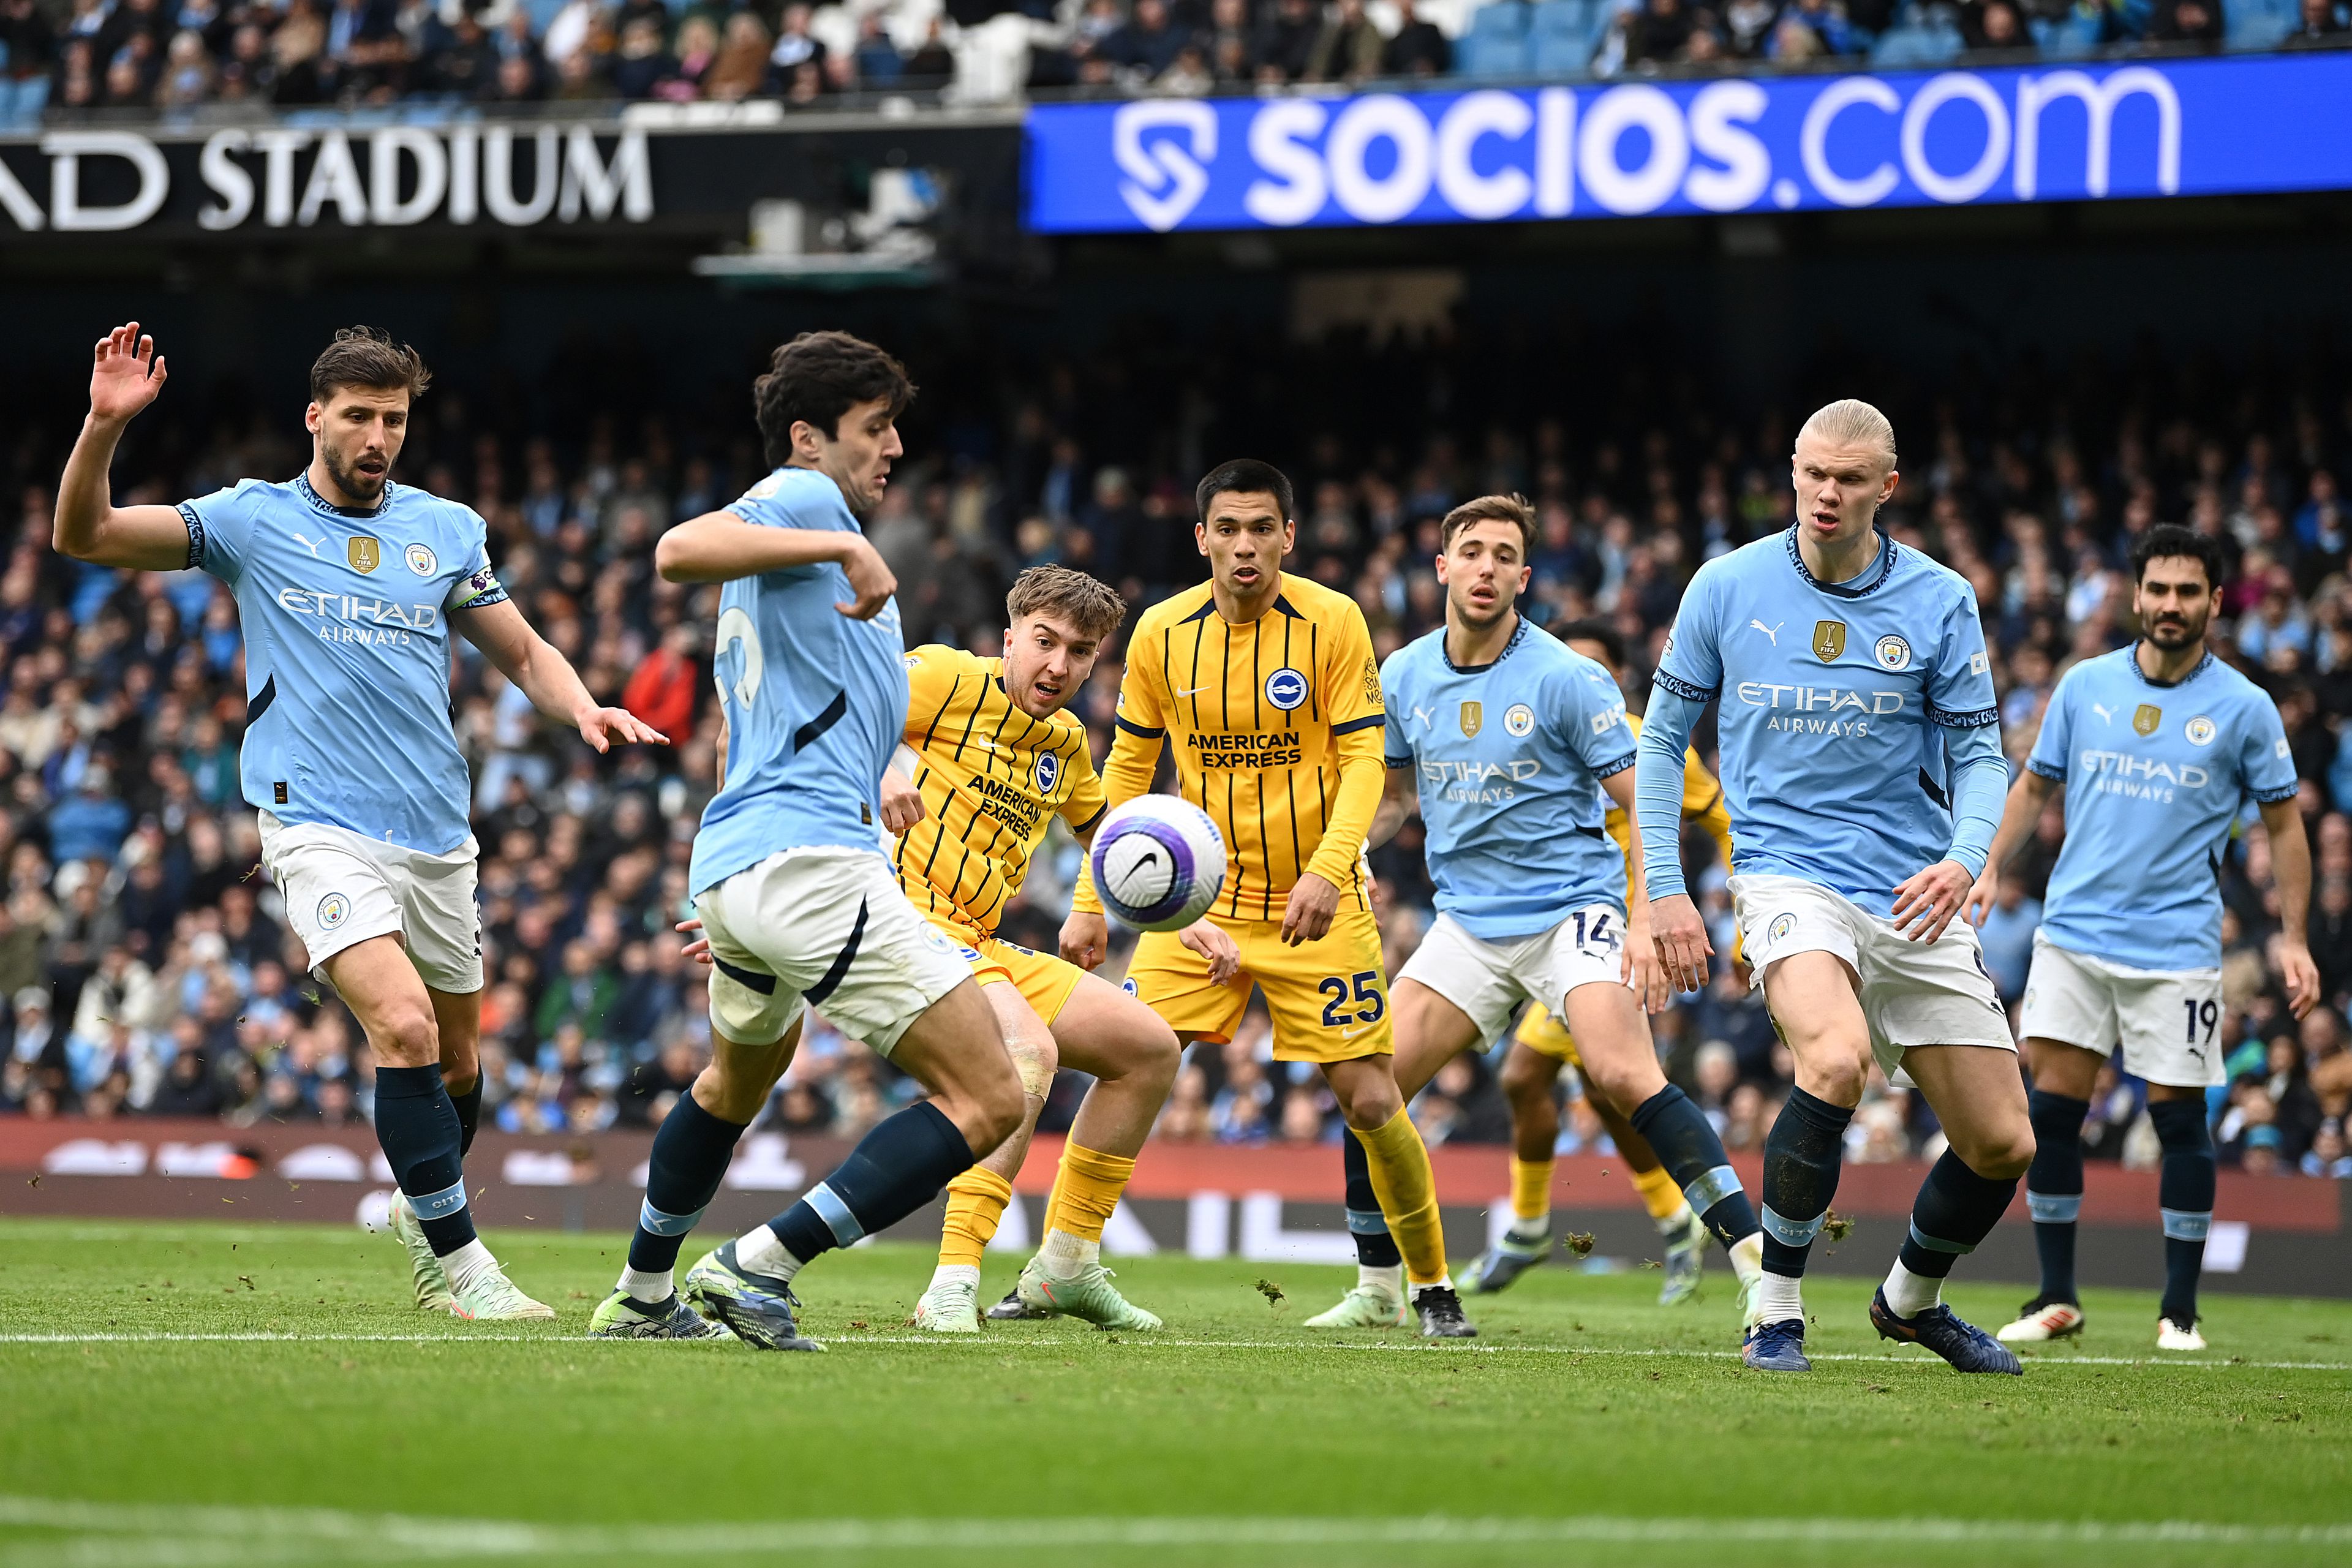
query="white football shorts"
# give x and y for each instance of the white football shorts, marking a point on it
(1913, 993)
(1488, 979)
(341, 887)
(826, 927)
(2167, 1021)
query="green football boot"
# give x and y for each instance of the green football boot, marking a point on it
(1362, 1308)
(432, 1283)
(622, 1316)
(1685, 1261)
(757, 1307)
(493, 1298)
(1090, 1298)
(950, 1307)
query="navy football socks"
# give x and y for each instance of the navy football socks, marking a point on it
(690, 1154)
(1955, 1210)
(417, 1127)
(895, 1170)
(1802, 1155)
(2054, 1188)
(1688, 1146)
(2185, 1195)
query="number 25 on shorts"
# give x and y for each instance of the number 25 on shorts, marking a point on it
(1366, 989)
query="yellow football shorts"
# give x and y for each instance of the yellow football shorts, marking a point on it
(1044, 979)
(1541, 1032)
(1329, 999)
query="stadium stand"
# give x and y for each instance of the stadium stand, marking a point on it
(71, 60)
(144, 969)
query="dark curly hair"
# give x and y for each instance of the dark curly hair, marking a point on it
(818, 378)
(2169, 539)
(367, 356)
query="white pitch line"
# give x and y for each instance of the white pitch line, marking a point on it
(107, 1535)
(1151, 1341)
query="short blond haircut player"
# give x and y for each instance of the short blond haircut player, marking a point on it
(1851, 421)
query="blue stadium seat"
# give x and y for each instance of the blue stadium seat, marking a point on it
(1474, 56)
(1561, 54)
(1912, 46)
(1501, 19)
(2257, 24)
(2073, 36)
(1563, 19)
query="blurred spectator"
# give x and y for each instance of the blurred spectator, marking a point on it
(1347, 48)
(1419, 48)
(2186, 22)
(2319, 25)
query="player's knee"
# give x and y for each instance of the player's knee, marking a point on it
(2001, 1154)
(731, 1097)
(407, 1036)
(1834, 1074)
(1034, 1060)
(997, 1106)
(1370, 1104)
(1148, 1054)
(1523, 1080)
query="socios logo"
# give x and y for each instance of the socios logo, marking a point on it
(1491, 154)
(1048, 771)
(1285, 689)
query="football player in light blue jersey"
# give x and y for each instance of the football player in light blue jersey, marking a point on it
(347, 589)
(2159, 747)
(1861, 758)
(797, 902)
(1511, 746)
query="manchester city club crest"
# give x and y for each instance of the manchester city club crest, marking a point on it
(365, 551)
(1519, 719)
(2146, 717)
(1892, 652)
(1473, 718)
(1829, 640)
(1782, 924)
(421, 560)
(2200, 730)
(1048, 771)
(333, 910)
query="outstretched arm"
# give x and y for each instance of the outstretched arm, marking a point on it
(2023, 809)
(125, 376)
(548, 678)
(719, 547)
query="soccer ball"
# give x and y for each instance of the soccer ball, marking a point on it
(1159, 862)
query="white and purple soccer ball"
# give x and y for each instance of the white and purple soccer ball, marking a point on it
(1159, 861)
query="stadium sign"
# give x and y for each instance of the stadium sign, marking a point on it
(2211, 127)
(288, 177)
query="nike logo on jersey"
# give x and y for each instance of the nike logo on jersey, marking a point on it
(1773, 631)
(1192, 692)
(1349, 1034)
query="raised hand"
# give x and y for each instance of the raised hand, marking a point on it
(126, 373)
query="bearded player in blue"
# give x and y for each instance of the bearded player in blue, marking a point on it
(1511, 747)
(348, 588)
(2158, 746)
(798, 904)
(1861, 763)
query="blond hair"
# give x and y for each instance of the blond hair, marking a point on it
(1089, 606)
(1851, 421)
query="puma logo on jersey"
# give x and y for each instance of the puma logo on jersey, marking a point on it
(1773, 632)
(304, 541)
(2106, 714)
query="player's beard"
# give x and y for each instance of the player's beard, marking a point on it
(2172, 636)
(360, 487)
(1504, 604)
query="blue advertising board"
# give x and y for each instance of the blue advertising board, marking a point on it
(2148, 128)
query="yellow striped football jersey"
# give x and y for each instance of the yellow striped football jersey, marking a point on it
(992, 777)
(1275, 727)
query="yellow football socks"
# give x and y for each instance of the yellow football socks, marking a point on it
(1408, 1193)
(1086, 1192)
(1532, 1188)
(976, 1203)
(1659, 1194)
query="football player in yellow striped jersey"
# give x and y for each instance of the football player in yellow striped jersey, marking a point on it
(1264, 687)
(1541, 1046)
(991, 756)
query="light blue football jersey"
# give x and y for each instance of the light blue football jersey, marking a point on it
(1510, 756)
(1836, 702)
(816, 703)
(2154, 777)
(346, 622)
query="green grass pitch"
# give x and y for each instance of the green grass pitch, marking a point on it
(177, 1394)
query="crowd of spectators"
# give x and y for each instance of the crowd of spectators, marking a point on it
(144, 968)
(78, 55)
